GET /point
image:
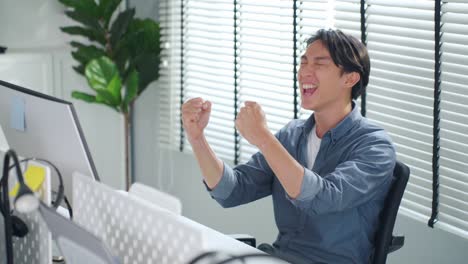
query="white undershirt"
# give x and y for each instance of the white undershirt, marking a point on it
(313, 147)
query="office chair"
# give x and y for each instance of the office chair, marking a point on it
(385, 241)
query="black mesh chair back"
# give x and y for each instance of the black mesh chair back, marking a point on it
(385, 241)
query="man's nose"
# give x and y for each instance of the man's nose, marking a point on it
(307, 70)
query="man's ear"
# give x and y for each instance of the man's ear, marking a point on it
(352, 78)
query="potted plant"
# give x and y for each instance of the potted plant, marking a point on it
(119, 57)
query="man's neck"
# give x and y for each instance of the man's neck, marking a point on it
(326, 120)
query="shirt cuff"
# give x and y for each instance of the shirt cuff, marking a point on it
(311, 185)
(225, 186)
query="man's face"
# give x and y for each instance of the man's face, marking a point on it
(323, 84)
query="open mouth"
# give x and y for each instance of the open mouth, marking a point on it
(308, 89)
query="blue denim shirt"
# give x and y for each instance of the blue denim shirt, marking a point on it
(335, 217)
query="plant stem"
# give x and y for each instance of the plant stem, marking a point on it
(127, 128)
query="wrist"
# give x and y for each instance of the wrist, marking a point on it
(196, 141)
(266, 140)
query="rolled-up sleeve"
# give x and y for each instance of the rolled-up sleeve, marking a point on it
(244, 183)
(366, 176)
(225, 186)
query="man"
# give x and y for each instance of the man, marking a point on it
(328, 175)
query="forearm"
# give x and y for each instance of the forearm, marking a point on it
(211, 167)
(288, 171)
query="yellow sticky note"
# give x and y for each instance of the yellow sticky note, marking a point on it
(34, 177)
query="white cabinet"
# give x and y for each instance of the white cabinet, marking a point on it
(51, 72)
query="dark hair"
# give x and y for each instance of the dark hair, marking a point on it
(347, 52)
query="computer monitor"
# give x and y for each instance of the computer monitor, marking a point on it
(42, 126)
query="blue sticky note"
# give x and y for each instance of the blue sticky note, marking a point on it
(17, 113)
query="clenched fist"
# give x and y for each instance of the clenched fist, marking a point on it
(251, 123)
(195, 117)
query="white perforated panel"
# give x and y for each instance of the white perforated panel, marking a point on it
(35, 247)
(135, 231)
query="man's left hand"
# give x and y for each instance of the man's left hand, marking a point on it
(251, 123)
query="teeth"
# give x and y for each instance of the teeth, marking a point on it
(309, 86)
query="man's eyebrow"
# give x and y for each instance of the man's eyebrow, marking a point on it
(321, 58)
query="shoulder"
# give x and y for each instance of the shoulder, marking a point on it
(373, 131)
(368, 136)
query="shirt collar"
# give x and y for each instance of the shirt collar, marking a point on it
(341, 128)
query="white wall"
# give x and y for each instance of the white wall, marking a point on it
(31, 24)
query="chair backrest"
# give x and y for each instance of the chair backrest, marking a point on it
(384, 236)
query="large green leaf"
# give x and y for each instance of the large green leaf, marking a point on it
(143, 37)
(143, 44)
(90, 20)
(121, 58)
(106, 9)
(80, 69)
(86, 53)
(100, 72)
(120, 26)
(103, 77)
(115, 88)
(148, 69)
(91, 34)
(107, 98)
(84, 96)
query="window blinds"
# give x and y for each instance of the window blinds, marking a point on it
(348, 19)
(400, 37)
(265, 63)
(208, 67)
(453, 207)
(169, 80)
(312, 16)
(317, 14)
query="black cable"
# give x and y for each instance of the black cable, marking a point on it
(203, 255)
(213, 254)
(8, 225)
(70, 210)
(2, 211)
(249, 256)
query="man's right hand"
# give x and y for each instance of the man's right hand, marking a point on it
(195, 117)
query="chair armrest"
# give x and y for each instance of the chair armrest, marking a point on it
(245, 238)
(397, 243)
